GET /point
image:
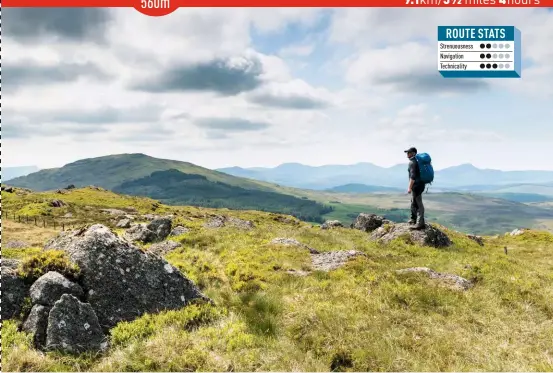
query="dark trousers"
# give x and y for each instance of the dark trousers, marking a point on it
(417, 206)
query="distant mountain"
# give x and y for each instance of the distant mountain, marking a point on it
(172, 182)
(9, 173)
(327, 177)
(363, 188)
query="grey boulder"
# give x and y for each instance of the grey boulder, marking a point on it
(51, 286)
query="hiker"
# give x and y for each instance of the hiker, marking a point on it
(417, 183)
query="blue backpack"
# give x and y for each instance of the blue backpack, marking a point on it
(425, 167)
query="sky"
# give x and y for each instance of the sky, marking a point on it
(261, 87)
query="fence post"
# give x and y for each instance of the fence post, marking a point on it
(62, 226)
(35, 220)
(44, 223)
(54, 224)
(19, 218)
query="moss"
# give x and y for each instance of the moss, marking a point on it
(32, 268)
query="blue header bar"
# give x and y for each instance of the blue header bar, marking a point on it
(476, 33)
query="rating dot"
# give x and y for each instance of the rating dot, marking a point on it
(482, 66)
(494, 66)
(507, 66)
(507, 46)
(489, 66)
(488, 46)
(494, 56)
(488, 55)
(482, 46)
(500, 46)
(494, 46)
(507, 55)
(500, 55)
(500, 65)
(482, 55)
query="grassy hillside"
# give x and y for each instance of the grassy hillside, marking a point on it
(361, 317)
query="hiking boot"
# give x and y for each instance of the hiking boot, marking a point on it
(419, 225)
(412, 222)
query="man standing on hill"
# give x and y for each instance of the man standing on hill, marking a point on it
(416, 188)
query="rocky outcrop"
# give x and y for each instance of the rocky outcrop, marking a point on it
(179, 230)
(14, 290)
(292, 242)
(451, 281)
(15, 245)
(220, 221)
(121, 282)
(73, 327)
(429, 236)
(51, 286)
(478, 239)
(333, 259)
(36, 324)
(113, 212)
(163, 248)
(57, 203)
(516, 232)
(369, 222)
(329, 224)
(155, 231)
(123, 223)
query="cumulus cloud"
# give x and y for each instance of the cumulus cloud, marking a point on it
(69, 24)
(409, 67)
(295, 94)
(29, 73)
(225, 77)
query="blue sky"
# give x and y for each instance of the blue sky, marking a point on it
(261, 87)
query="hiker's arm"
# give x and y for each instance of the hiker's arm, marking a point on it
(411, 183)
(412, 176)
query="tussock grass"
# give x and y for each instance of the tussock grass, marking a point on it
(361, 317)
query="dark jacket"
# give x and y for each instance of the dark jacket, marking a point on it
(415, 174)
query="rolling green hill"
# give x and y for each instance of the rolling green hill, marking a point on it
(173, 182)
(112, 170)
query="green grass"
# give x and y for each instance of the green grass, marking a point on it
(361, 317)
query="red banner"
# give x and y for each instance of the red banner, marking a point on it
(164, 7)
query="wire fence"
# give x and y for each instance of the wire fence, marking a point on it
(62, 223)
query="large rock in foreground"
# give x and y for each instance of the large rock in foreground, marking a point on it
(73, 327)
(51, 286)
(369, 222)
(429, 236)
(14, 290)
(121, 282)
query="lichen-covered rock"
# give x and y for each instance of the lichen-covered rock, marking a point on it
(123, 223)
(113, 212)
(51, 286)
(333, 259)
(122, 282)
(451, 281)
(140, 232)
(36, 324)
(14, 290)
(478, 239)
(369, 222)
(161, 227)
(73, 327)
(178, 230)
(222, 221)
(517, 232)
(15, 245)
(429, 236)
(331, 224)
(163, 248)
(292, 242)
